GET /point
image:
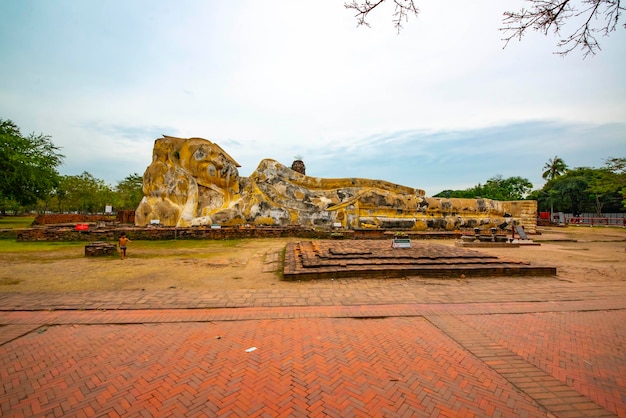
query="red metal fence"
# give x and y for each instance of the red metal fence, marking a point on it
(591, 221)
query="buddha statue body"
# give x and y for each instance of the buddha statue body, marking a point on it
(194, 182)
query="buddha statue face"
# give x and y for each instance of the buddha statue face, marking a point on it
(209, 164)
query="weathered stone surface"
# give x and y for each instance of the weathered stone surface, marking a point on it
(206, 232)
(195, 182)
(99, 248)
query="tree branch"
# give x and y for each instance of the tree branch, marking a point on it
(597, 16)
(600, 16)
(401, 13)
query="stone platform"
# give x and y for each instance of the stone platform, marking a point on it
(327, 259)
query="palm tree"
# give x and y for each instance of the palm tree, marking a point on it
(554, 168)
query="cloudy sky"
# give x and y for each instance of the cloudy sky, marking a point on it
(439, 106)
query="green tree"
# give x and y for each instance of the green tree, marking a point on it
(607, 185)
(554, 168)
(129, 192)
(83, 193)
(586, 189)
(28, 166)
(511, 188)
(572, 191)
(496, 188)
(618, 166)
(448, 193)
(546, 199)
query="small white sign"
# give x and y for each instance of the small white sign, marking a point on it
(401, 243)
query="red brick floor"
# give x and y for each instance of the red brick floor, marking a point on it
(585, 350)
(346, 355)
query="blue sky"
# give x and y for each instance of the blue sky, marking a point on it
(439, 106)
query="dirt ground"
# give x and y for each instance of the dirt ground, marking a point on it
(580, 254)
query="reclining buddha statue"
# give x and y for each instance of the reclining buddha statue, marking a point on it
(194, 182)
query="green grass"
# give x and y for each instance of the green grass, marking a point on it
(15, 222)
(10, 245)
(46, 251)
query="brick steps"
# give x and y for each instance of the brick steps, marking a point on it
(325, 259)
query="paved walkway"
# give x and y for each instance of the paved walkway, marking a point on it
(536, 347)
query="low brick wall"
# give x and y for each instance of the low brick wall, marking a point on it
(71, 218)
(152, 233)
(66, 234)
(388, 234)
(125, 217)
(69, 233)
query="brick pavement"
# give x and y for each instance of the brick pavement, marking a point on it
(522, 347)
(331, 293)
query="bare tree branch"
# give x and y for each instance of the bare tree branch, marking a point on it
(597, 17)
(400, 15)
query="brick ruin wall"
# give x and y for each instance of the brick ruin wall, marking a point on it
(123, 216)
(67, 233)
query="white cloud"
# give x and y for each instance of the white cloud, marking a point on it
(440, 105)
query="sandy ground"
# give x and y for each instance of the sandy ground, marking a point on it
(579, 253)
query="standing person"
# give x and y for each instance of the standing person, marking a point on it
(122, 242)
